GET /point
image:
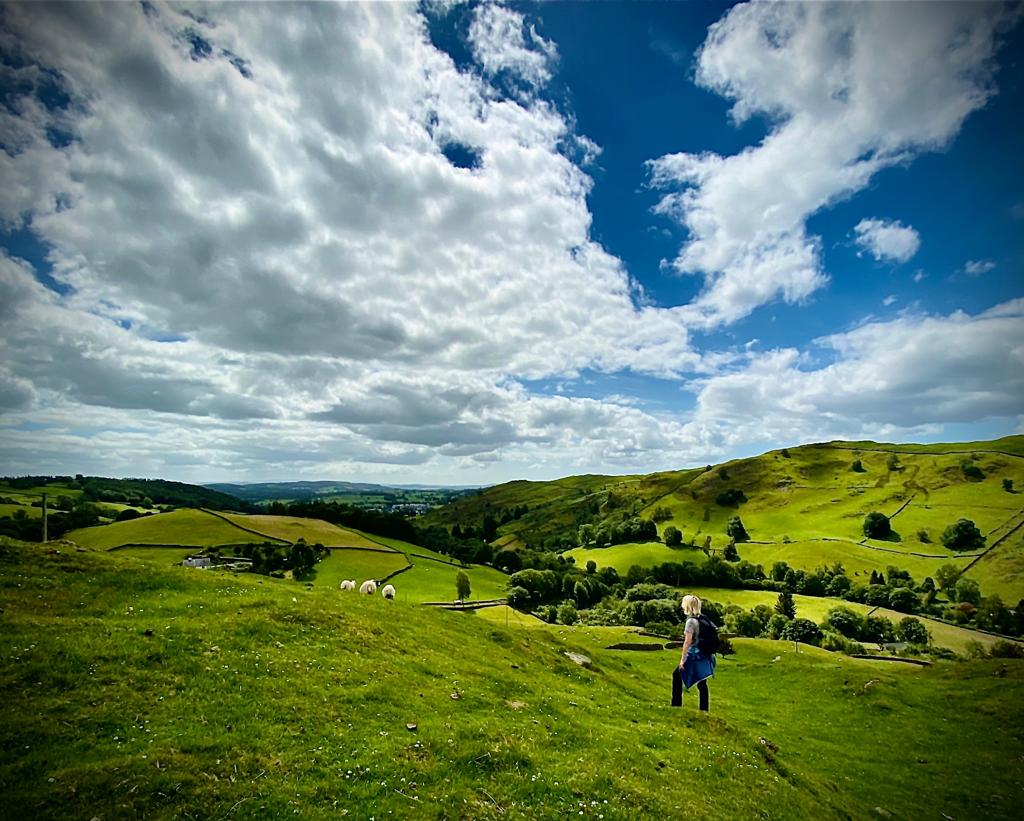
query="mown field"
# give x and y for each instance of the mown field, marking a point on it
(136, 691)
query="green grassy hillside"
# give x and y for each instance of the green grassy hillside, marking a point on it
(805, 505)
(293, 528)
(136, 691)
(179, 527)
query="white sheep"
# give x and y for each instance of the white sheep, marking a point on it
(348, 584)
(388, 591)
(369, 587)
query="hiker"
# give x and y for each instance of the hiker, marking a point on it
(697, 663)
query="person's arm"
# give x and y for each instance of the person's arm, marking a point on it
(687, 642)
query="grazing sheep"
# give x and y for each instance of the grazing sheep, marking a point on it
(348, 584)
(369, 587)
(388, 591)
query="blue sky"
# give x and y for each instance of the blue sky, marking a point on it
(471, 242)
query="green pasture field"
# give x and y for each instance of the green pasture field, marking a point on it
(293, 528)
(186, 527)
(166, 556)
(435, 581)
(358, 565)
(814, 608)
(857, 560)
(1001, 570)
(160, 692)
(33, 494)
(644, 554)
(10, 510)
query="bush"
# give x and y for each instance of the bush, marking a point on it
(905, 600)
(971, 471)
(731, 554)
(673, 536)
(802, 630)
(733, 497)
(548, 613)
(844, 621)
(776, 626)
(893, 462)
(923, 537)
(876, 526)
(967, 591)
(518, 597)
(1006, 650)
(975, 650)
(567, 613)
(912, 631)
(736, 531)
(1008, 485)
(839, 644)
(963, 535)
(857, 467)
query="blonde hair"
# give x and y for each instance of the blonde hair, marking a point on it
(691, 606)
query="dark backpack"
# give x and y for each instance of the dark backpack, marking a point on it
(707, 640)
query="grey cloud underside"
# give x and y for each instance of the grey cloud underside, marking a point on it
(346, 295)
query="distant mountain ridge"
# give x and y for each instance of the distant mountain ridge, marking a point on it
(254, 491)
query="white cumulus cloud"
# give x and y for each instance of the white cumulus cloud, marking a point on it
(887, 240)
(847, 89)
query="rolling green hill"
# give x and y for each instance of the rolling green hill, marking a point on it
(804, 505)
(140, 691)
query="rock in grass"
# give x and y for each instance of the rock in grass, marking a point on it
(578, 658)
(410, 727)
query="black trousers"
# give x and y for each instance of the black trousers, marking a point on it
(677, 691)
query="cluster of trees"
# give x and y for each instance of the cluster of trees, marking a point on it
(618, 532)
(30, 528)
(963, 534)
(733, 497)
(271, 559)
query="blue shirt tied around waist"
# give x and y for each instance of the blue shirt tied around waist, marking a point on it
(696, 666)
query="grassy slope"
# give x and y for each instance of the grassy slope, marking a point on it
(254, 698)
(808, 495)
(292, 528)
(813, 608)
(624, 556)
(186, 527)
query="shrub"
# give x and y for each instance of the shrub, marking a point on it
(518, 597)
(731, 554)
(971, 471)
(967, 591)
(1003, 649)
(1008, 485)
(733, 497)
(776, 626)
(736, 531)
(975, 650)
(673, 536)
(878, 629)
(904, 599)
(963, 535)
(876, 525)
(567, 613)
(844, 621)
(923, 537)
(548, 613)
(893, 462)
(661, 514)
(839, 644)
(802, 630)
(857, 467)
(912, 631)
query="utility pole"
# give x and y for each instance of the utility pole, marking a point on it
(44, 518)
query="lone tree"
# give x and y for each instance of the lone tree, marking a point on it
(462, 585)
(785, 605)
(857, 467)
(736, 531)
(912, 631)
(1008, 485)
(876, 525)
(731, 554)
(963, 535)
(673, 536)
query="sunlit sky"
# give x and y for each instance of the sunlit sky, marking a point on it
(460, 243)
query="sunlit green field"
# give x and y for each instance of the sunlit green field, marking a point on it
(28, 510)
(644, 554)
(184, 527)
(810, 607)
(133, 690)
(292, 528)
